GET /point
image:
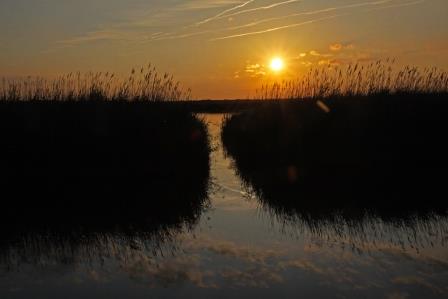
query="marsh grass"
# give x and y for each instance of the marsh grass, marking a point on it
(97, 150)
(143, 84)
(363, 138)
(382, 77)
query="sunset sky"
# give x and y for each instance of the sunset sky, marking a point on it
(219, 48)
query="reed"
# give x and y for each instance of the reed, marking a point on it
(144, 84)
(357, 137)
(95, 148)
(382, 77)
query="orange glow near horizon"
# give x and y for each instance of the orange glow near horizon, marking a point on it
(219, 49)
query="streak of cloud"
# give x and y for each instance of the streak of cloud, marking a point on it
(267, 20)
(398, 5)
(185, 35)
(119, 34)
(277, 28)
(224, 12)
(192, 5)
(258, 8)
(307, 13)
(331, 9)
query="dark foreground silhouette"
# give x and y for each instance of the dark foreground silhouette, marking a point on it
(385, 155)
(100, 163)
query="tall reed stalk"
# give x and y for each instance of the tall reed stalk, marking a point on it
(144, 84)
(377, 78)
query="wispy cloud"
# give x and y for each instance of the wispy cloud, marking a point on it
(276, 28)
(201, 4)
(225, 12)
(398, 5)
(134, 31)
(98, 35)
(336, 47)
(255, 70)
(245, 11)
(136, 28)
(331, 9)
(183, 35)
(272, 19)
(314, 12)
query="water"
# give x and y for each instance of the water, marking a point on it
(238, 248)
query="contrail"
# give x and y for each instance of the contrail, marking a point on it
(172, 36)
(185, 35)
(224, 12)
(398, 5)
(307, 13)
(257, 8)
(276, 28)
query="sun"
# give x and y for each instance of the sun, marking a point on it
(277, 64)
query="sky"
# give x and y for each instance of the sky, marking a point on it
(219, 48)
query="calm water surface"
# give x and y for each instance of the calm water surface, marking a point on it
(237, 249)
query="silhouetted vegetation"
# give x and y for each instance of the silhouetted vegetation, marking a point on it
(356, 150)
(143, 84)
(94, 150)
(358, 80)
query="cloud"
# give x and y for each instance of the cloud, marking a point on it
(94, 36)
(307, 13)
(397, 5)
(138, 29)
(201, 4)
(255, 70)
(224, 12)
(300, 56)
(335, 47)
(137, 26)
(252, 24)
(184, 35)
(275, 28)
(258, 8)
(332, 62)
(318, 54)
(225, 15)
(326, 10)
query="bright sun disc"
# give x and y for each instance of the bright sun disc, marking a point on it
(277, 64)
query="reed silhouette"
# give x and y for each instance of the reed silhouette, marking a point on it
(367, 145)
(97, 150)
(379, 78)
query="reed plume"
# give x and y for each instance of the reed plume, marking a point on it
(358, 80)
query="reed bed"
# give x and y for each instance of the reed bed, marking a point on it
(95, 148)
(144, 84)
(354, 137)
(382, 77)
